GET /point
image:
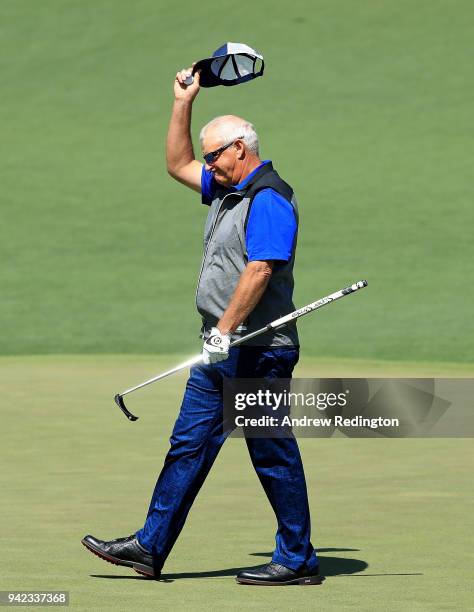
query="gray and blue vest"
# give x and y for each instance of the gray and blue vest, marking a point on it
(225, 258)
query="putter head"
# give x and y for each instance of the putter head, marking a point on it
(120, 403)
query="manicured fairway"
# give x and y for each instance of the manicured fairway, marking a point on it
(392, 518)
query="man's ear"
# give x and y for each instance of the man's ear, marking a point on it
(239, 145)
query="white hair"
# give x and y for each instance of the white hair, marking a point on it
(229, 130)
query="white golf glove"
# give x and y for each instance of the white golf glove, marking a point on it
(216, 347)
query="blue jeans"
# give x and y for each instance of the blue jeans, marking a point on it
(195, 442)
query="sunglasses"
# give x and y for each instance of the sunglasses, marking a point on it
(211, 157)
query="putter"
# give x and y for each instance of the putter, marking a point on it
(281, 322)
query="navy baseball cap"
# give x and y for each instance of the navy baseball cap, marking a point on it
(231, 64)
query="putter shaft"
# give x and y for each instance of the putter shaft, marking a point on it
(281, 322)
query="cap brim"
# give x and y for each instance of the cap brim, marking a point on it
(207, 78)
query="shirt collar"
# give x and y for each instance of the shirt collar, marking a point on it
(249, 177)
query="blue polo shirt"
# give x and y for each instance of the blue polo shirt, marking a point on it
(271, 226)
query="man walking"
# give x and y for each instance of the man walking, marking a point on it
(245, 281)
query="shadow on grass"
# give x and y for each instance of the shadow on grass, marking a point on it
(342, 566)
(332, 566)
(329, 566)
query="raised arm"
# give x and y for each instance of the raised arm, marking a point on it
(181, 163)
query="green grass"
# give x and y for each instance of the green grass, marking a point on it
(365, 109)
(390, 517)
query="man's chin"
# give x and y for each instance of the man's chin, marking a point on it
(222, 180)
